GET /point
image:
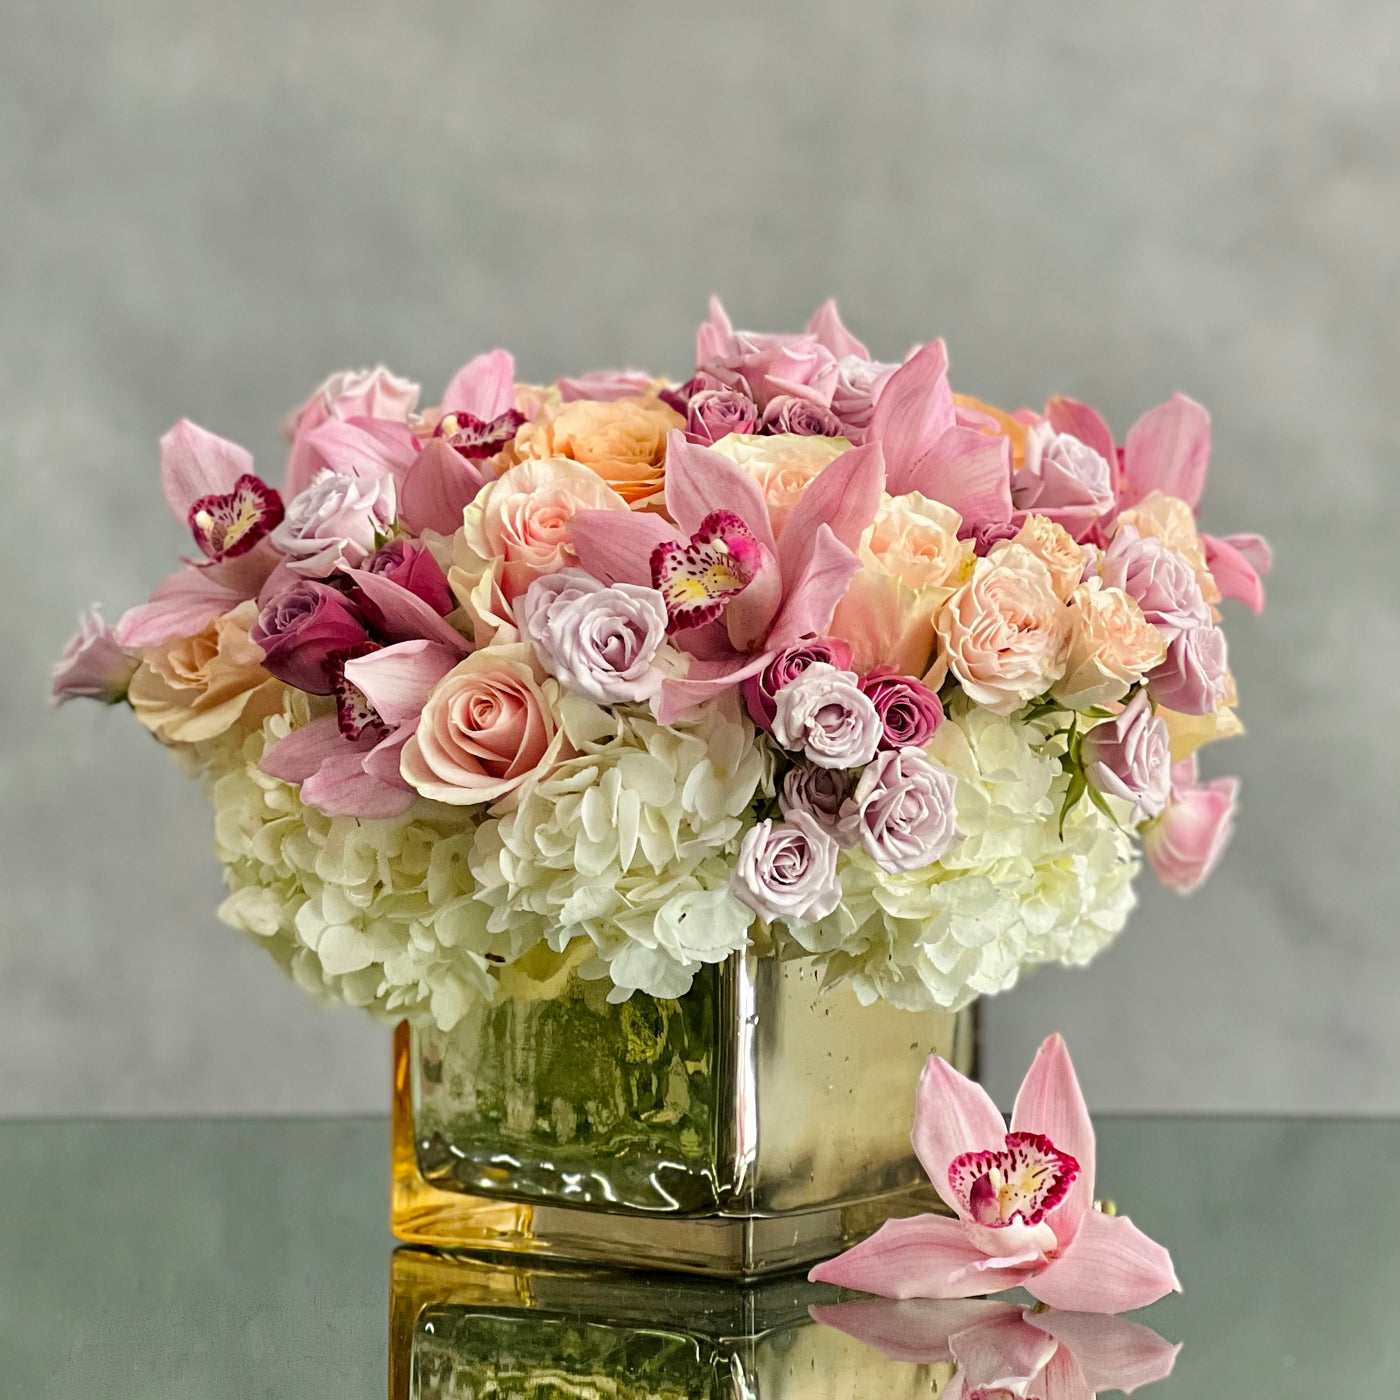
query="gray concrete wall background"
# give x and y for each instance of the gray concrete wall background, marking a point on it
(208, 208)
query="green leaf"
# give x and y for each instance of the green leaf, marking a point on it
(1078, 786)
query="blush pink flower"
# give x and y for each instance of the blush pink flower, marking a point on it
(93, 664)
(760, 691)
(1022, 1204)
(823, 794)
(1193, 679)
(904, 811)
(824, 713)
(1158, 579)
(1186, 842)
(908, 709)
(787, 870)
(712, 414)
(301, 627)
(1064, 479)
(337, 520)
(1129, 757)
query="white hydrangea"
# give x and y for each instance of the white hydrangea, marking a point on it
(630, 845)
(1011, 894)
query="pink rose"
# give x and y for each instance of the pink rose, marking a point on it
(824, 713)
(822, 794)
(787, 413)
(858, 386)
(1129, 757)
(349, 393)
(1064, 479)
(905, 810)
(1184, 844)
(93, 665)
(1158, 579)
(908, 709)
(787, 870)
(1193, 680)
(301, 628)
(712, 414)
(336, 520)
(1005, 632)
(413, 567)
(764, 366)
(784, 668)
(487, 728)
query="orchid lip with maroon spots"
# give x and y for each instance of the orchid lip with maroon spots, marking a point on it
(697, 579)
(475, 438)
(225, 526)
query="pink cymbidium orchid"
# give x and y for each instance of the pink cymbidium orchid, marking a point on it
(1002, 1351)
(736, 594)
(1022, 1204)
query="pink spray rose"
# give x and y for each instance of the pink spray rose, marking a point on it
(783, 669)
(787, 870)
(763, 365)
(858, 385)
(822, 794)
(301, 628)
(1186, 842)
(413, 567)
(488, 727)
(1129, 756)
(825, 714)
(1162, 583)
(789, 414)
(905, 810)
(336, 520)
(1193, 680)
(1064, 479)
(908, 709)
(350, 393)
(712, 414)
(93, 664)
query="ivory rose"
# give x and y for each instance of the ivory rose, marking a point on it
(1055, 547)
(783, 466)
(196, 688)
(1005, 633)
(522, 519)
(623, 441)
(1111, 647)
(488, 726)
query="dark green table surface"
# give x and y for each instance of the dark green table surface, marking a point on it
(242, 1259)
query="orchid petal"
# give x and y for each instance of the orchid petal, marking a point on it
(714, 335)
(405, 616)
(398, 679)
(341, 787)
(1082, 422)
(844, 496)
(970, 472)
(616, 546)
(301, 754)
(1063, 1380)
(812, 597)
(483, 387)
(917, 1330)
(437, 488)
(952, 1116)
(384, 762)
(1050, 1102)
(749, 614)
(1112, 1353)
(926, 1256)
(1109, 1267)
(704, 681)
(827, 327)
(1002, 1353)
(360, 447)
(1236, 563)
(700, 482)
(195, 463)
(179, 607)
(1168, 450)
(913, 411)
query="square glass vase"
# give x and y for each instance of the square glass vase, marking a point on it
(758, 1123)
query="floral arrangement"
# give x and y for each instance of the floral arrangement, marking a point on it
(617, 676)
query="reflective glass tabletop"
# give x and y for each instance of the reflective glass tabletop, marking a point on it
(241, 1259)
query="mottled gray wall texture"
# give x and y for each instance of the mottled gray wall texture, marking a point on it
(208, 207)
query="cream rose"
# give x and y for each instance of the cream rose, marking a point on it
(1171, 520)
(1055, 547)
(1004, 632)
(784, 466)
(916, 540)
(623, 441)
(196, 688)
(488, 727)
(1111, 647)
(522, 519)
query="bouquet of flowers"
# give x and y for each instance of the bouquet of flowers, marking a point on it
(615, 677)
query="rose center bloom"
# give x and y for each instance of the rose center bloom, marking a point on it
(1018, 1184)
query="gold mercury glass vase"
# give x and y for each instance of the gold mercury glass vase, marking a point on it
(756, 1124)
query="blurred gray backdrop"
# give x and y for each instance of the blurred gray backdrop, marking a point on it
(207, 208)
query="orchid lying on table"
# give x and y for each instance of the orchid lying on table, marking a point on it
(621, 675)
(1022, 1203)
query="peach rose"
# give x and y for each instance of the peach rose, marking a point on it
(623, 441)
(196, 688)
(1111, 647)
(487, 728)
(1055, 547)
(1004, 632)
(916, 540)
(522, 519)
(1171, 520)
(783, 466)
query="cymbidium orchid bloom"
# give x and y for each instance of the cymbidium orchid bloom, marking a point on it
(1002, 1351)
(1022, 1204)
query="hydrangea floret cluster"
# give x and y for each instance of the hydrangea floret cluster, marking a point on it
(617, 676)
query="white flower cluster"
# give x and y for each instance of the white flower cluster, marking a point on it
(1011, 893)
